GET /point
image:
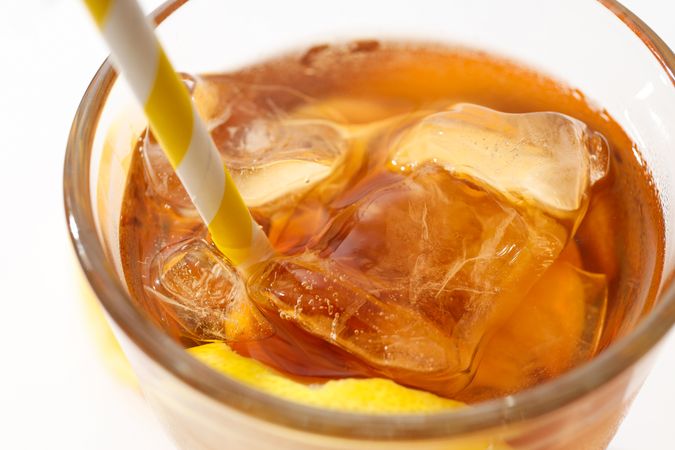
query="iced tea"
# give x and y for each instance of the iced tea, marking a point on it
(443, 218)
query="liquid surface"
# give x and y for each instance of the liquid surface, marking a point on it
(444, 245)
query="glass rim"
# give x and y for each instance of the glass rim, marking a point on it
(170, 356)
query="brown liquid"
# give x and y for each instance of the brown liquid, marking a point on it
(621, 235)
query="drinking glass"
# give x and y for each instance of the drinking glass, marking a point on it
(599, 48)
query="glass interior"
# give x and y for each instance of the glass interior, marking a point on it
(584, 44)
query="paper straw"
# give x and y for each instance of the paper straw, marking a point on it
(181, 133)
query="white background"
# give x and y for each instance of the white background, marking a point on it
(54, 390)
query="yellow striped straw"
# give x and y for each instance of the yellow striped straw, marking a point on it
(181, 133)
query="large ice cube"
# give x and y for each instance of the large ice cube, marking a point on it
(205, 294)
(414, 275)
(328, 300)
(546, 159)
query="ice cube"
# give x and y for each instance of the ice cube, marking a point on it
(205, 293)
(284, 157)
(328, 300)
(556, 327)
(546, 159)
(414, 275)
(271, 150)
(162, 179)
